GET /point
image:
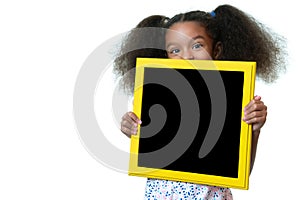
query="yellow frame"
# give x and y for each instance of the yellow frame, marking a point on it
(242, 182)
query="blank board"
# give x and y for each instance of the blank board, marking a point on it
(192, 128)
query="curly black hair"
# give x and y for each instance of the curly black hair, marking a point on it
(242, 38)
(145, 40)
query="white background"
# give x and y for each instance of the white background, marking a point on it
(42, 48)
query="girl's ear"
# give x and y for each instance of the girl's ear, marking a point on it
(218, 49)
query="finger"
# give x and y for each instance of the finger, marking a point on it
(128, 131)
(256, 97)
(258, 108)
(253, 101)
(256, 120)
(128, 124)
(249, 105)
(255, 114)
(254, 106)
(133, 116)
(261, 113)
(127, 118)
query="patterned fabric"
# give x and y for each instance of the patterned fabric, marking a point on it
(170, 190)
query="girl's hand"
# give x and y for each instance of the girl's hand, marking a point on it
(255, 113)
(129, 124)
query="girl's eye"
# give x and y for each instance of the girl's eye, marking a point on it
(197, 46)
(174, 51)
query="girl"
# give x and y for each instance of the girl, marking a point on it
(224, 34)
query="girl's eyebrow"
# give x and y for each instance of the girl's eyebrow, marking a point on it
(198, 37)
(170, 44)
(193, 38)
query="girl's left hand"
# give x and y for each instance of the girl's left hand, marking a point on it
(255, 113)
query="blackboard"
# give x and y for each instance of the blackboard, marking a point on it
(192, 126)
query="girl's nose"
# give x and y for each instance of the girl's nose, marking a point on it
(188, 55)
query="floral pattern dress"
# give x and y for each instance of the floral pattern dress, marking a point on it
(169, 190)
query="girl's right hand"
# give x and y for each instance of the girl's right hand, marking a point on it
(129, 124)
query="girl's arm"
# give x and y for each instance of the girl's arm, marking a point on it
(255, 113)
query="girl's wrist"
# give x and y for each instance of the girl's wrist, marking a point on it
(256, 133)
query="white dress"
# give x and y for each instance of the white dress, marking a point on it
(163, 189)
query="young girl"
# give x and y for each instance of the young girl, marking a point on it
(224, 34)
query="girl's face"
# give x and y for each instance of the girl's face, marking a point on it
(188, 40)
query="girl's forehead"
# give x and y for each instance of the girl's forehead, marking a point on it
(186, 24)
(189, 29)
